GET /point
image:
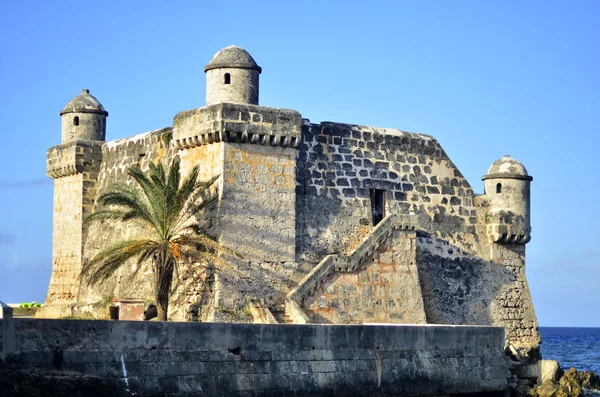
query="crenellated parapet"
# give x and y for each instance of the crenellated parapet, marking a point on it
(73, 158)
(237, 123)
(506, 227)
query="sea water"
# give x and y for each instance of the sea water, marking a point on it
(572, 347)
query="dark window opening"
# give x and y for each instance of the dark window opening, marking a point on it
(76, 120)
(141, 158)
(377, 205)
(227, 78)
(499, 188)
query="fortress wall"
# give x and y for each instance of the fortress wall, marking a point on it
(385, 289)
(117, 157)
(461, 288)
(256, 211)
(458, 288)
(197, 286)
(258, 203)
(461, 280)
(217, 359)
(513, 306)
(210, 160)
(67, 240)
(74, 167)
(257, 220)
(339, 163)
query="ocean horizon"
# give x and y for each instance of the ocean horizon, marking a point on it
(577, 347)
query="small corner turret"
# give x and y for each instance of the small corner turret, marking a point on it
(83, 119)
(232, 77)
(507, 186)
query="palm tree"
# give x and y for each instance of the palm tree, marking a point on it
(164, 208)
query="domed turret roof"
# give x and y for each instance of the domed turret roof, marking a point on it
(507, 167)
(84, 103)
(232, 57)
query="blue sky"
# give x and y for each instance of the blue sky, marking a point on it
(486, 78)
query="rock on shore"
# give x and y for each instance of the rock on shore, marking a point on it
(570, 384)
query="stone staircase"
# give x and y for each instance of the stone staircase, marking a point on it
(281, 315)
(342, 263)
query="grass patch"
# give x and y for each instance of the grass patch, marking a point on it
(25, 311)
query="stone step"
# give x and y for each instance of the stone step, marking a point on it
(280, 315)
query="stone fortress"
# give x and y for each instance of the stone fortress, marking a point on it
(297, 202)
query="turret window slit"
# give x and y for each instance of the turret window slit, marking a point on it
(227, 78)
(76, 120)
(499, 188)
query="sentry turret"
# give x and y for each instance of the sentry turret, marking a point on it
(507, 187)
(232, 77)
(83, 119)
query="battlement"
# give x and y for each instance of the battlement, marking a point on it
(505, 227)
(237, 123)
(73, 157)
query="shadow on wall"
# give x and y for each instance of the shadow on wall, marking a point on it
(316, 215)
(457, 287)
(263, 236)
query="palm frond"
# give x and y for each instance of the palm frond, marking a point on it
(133, 205)
(105, 263)
(192, 205)
(154, 194)
(166, 205)
(105, 214)
(202, 243)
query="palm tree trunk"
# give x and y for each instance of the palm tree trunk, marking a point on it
(164, 280)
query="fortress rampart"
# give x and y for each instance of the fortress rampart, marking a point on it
(125, 358)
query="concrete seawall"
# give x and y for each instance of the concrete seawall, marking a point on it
(218, 359)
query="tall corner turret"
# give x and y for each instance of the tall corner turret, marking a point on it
(74, 165)
(83, 119)
(507, 185)
(232, 77)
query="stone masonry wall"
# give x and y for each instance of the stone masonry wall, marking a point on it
(256, 211)
(66, 242)
(74, 167)
(216, 359)
(258, 203)
(257, 220)
(513, 307)
(117, 157)
(385, 289)
(458, 287)
(339, 163)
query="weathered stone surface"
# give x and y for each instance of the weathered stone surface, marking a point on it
(253, 359)
(589, 380)
(550, 371)
(557, 383)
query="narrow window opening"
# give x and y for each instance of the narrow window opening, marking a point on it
(76, 120)
(227, 78)
(377, 205)
(499, 188)
(141, 159)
